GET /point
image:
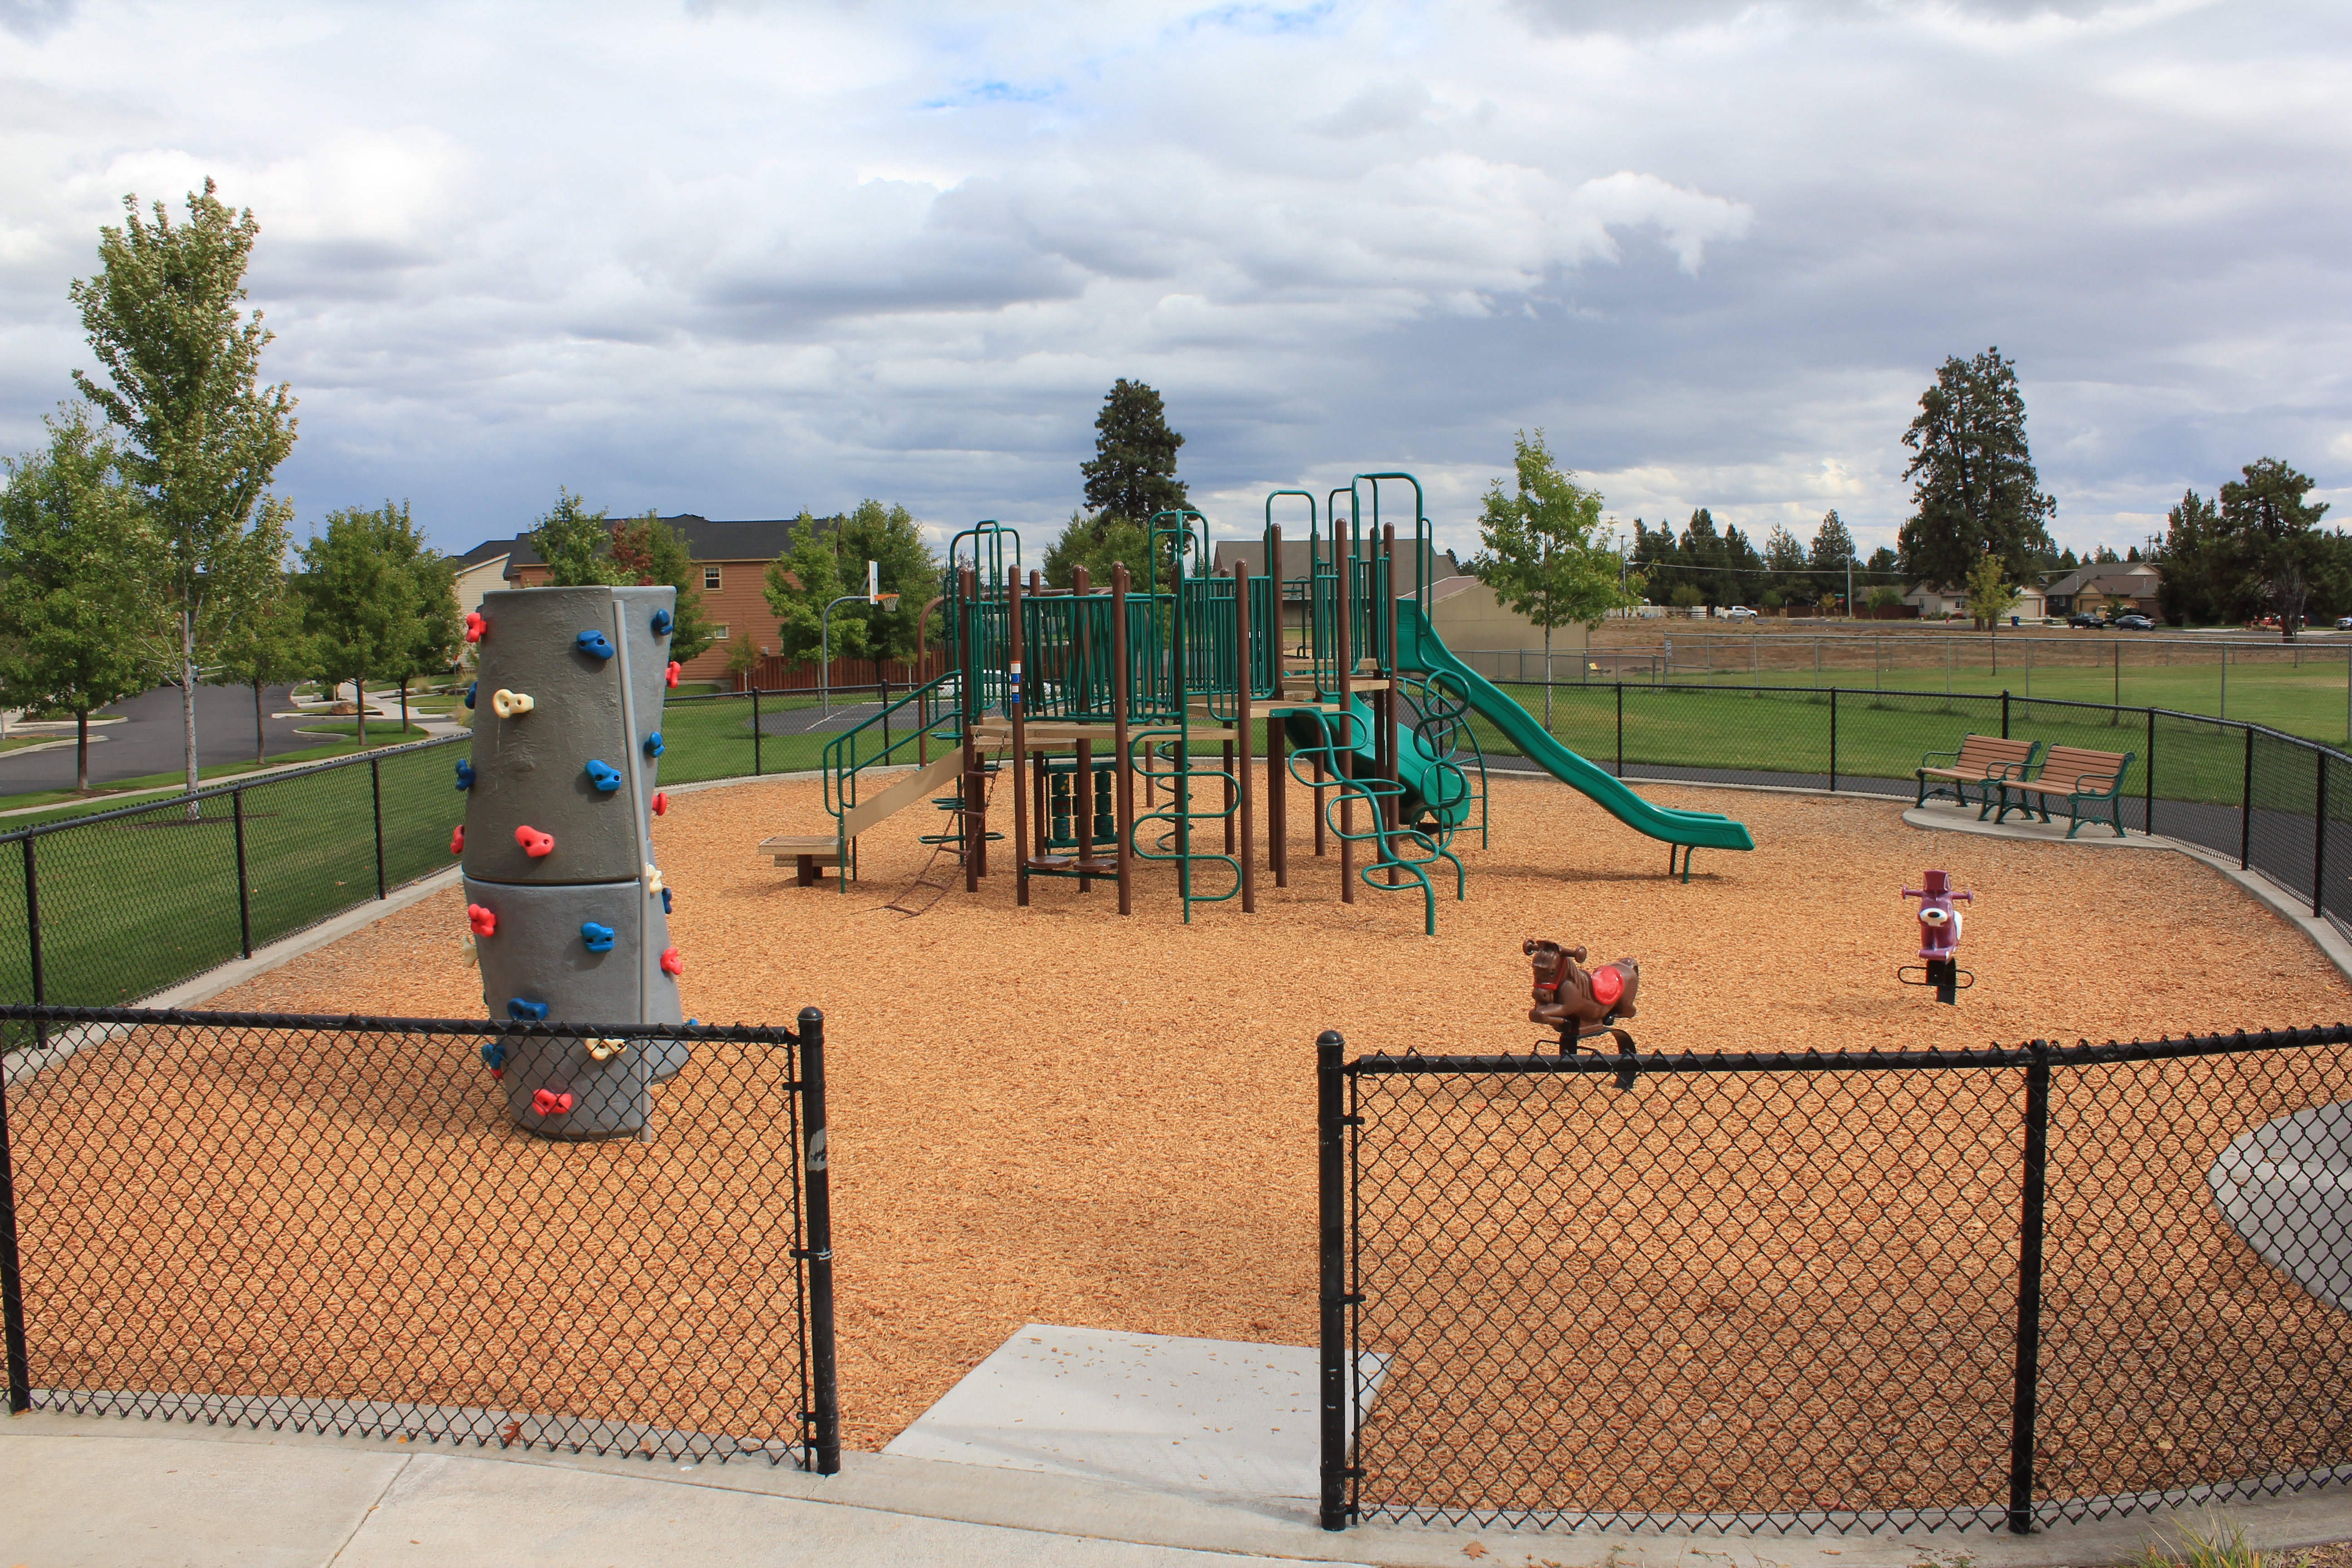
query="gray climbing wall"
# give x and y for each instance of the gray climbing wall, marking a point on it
(566, 907)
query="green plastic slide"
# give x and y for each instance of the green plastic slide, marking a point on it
(1420, 651)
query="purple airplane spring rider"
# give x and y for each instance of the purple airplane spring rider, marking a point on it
(1939, 936)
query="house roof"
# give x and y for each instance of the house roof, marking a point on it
(2109, 577)
(487, 551)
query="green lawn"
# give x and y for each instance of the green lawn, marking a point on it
(108, 796)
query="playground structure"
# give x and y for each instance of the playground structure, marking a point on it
(566, 911)
(1072, 695)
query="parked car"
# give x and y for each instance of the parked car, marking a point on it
(1738, 613)
(2133, 622)
(2344, 623)
(2084, 618)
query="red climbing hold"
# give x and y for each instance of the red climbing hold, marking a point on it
(548, 1102)
(484, 923)
(671, 962)
(661, 802)
(477, 628)
(534, 843)
(672, 672)
(457, 840)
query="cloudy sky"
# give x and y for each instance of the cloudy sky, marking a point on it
(740, 259)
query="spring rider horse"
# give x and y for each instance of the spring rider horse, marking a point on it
(1583, 1003)
(1940, 937)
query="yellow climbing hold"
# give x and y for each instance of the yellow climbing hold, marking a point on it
(511, 704)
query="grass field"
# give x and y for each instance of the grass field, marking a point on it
(107, 796)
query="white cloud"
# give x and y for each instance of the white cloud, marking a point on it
(741, 257)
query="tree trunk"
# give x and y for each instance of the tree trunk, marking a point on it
(1547, 680)
(81, 749)
(260, 736)
(359, 692)
(188, 701)
(404, 708)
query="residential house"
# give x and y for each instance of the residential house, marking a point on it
(481, 569)
(731, 562)
(1934, 601)
(2110, 587)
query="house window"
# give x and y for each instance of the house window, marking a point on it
(710, 576)
(718, 632)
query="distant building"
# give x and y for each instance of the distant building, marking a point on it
(730, 562)
(2115, 586)
(1935, 601)
(481, 569)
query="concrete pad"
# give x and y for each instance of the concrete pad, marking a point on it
(451, 1510)
(1939, 815)
(107, 1500)
(2286, 1187)
(1218, 1418)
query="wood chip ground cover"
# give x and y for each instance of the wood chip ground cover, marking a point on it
(1055, 1114)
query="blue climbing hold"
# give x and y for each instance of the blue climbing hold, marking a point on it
(653, 744)
(665, 901)
(465, 773)
(469, 691)
(603, 776)
(661, 623)
(596, 938)
(596, 643)
(493, 1053)
(531, 1011)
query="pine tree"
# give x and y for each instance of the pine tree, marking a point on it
(1133, 472)
(1975, 490)
(2277, 529)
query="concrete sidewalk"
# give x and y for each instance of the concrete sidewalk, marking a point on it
(83, 1491)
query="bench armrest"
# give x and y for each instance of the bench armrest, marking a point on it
(2107, 784)
(1997, 772)
(1931, 756)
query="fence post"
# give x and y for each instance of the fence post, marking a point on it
(2148, 789)
(11, 1280)
(243, 900)
(1833, 740)
(2246, 807)
(2004, 712)
(2319, 838)
(33, 930)
(1621, 729)
(755, 731)
(375, 787)
(1331, 1211)
(824, 1369)
(2027, 1393)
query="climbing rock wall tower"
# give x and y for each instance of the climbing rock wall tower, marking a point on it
(567, 913)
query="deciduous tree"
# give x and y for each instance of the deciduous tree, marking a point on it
(258, 637)
(576, 544)
(799, 582)
(77, 571)
(1991, 595)
(183, 364)
(647, 551)
(360, 598)
(1542, 557)
(889, 537)
(1975, 492)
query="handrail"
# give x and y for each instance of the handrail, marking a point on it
(836, 796)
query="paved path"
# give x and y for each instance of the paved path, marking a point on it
(85, 1490)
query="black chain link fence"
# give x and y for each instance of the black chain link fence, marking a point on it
(103, 909)
(1775, 1293)
(333, 1225)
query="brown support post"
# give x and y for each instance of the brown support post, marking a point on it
(1393, 808)
(975, 813)
(1082, 773)
(1015, 703)
(1120, 771)
(1346, 742)
(1243, 721)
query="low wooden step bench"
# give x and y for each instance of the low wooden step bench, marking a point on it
(1984, 760)
(806, 852)
(2078, 776)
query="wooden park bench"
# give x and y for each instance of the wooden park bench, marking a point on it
(2077, 776)
(1983, 760)
(805, 852)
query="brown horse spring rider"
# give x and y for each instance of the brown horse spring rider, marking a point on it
(1580, 1002)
